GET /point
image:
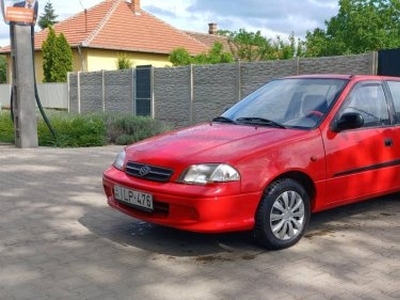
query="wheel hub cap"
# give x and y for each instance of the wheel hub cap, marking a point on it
(287, 215)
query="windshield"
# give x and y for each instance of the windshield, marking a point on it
(287, 103)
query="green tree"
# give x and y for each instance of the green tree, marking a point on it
(215, 56)
(48, 18)
(359, 26)
(57, 57)
(123, 62)
(287, 49)
(244, 46)
(48, 49)
(181, 57)
(63, 62)
(316, 43)
(249, 46)
(253, 46)
(3, 69)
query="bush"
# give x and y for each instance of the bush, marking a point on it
(125, 129)
(72, 130)
(85, 130)
(6, 128)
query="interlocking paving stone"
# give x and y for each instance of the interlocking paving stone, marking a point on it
(60, 240)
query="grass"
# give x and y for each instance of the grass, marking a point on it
(86, 130)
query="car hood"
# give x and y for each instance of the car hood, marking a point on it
(211, 142)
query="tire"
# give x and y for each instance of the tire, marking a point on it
(282, 215)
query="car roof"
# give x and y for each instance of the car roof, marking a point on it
(348, 77)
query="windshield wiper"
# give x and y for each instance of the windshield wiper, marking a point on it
(222, 119)
(259, 121)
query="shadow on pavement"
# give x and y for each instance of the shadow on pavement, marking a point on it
(168, 241)
(127, 231)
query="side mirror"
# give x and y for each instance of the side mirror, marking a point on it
(348, 121)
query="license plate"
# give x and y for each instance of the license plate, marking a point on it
(139, 199)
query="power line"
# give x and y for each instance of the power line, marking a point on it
(81, 4)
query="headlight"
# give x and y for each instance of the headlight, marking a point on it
(205, 173)
(119, 162)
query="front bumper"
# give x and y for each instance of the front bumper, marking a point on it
(212, 208)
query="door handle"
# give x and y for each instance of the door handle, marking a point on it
(388, 142)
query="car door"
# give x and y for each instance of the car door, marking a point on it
(362, 162)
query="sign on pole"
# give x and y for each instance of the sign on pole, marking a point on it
(20, 12)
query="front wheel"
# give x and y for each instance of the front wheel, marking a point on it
(283, 214)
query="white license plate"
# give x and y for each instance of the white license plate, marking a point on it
(140, 199)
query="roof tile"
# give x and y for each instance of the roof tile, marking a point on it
(112, 24)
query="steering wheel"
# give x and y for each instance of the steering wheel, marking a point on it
(315, 113)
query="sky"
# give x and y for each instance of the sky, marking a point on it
(272, 18)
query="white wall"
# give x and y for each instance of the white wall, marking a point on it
(51, 95)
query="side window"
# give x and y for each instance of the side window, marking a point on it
(395, 91)
(368, 99)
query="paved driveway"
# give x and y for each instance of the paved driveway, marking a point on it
(60, 240)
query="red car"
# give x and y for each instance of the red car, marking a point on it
(295, 146)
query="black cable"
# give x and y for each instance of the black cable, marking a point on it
(12, 104)
(38, 102)
(12, 86)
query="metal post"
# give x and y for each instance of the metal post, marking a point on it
(23, 85)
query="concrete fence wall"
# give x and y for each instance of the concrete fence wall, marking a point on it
(193, 94)
(101, 91)
(186, 95)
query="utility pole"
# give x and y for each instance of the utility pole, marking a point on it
(21, 16)
(23, 87)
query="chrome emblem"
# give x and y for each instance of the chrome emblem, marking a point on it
(143, 171)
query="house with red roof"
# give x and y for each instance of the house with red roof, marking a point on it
(213, 37)
(100, 34)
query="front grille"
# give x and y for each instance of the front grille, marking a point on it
(148, 172)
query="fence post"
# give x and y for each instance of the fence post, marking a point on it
(239, 80)
(152, 106)
(374, 64)
(191, 83)
(133, 90)
(69, 92)
(78, 81)
(298, 65)
(103, 90)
